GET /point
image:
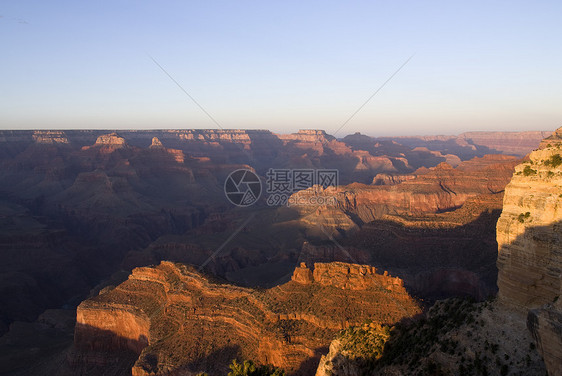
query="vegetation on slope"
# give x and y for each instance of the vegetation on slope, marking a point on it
(249, 368)
(456, 337)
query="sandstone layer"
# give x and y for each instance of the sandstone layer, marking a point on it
(530, 253)
(529, 231)
(438, 255)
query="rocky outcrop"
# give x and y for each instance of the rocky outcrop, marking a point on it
(309, 135)
(156, 143)
(302, 275)
(346, 276)
(111, 139)
(454, 337)
(176, 319)
(529, 234)
(554, 140)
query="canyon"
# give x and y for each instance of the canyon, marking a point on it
(456, 337)
(82, 210)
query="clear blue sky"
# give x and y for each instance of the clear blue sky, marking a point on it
(282, 65)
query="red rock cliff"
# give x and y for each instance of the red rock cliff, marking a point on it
(178, 320)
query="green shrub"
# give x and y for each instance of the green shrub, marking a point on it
(529, 171)
(365, 342)
(248, 368)
(554, 161)
(521, 218)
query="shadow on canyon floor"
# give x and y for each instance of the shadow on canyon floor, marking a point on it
(434, 262)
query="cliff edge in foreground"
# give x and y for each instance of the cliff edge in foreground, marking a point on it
(529, 234)
(530, 254)
(529, 230)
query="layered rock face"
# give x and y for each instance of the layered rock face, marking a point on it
(529, 261)
(439, 189)
(435, 230)
(438, 255)
(178, 320)
(529, 231)
(50, 137)
(529, 234)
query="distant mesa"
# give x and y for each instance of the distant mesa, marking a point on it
(111, 139)
(107, 143)
(50, 137)
(308, 135)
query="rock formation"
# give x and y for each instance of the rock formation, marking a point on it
(529, 231)
(175, 318)
(438, 255)
(454, 337)
(111, 139)
(156, 143)
(50, 137)
(530, 247)
(442, 188)
(529, 262)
